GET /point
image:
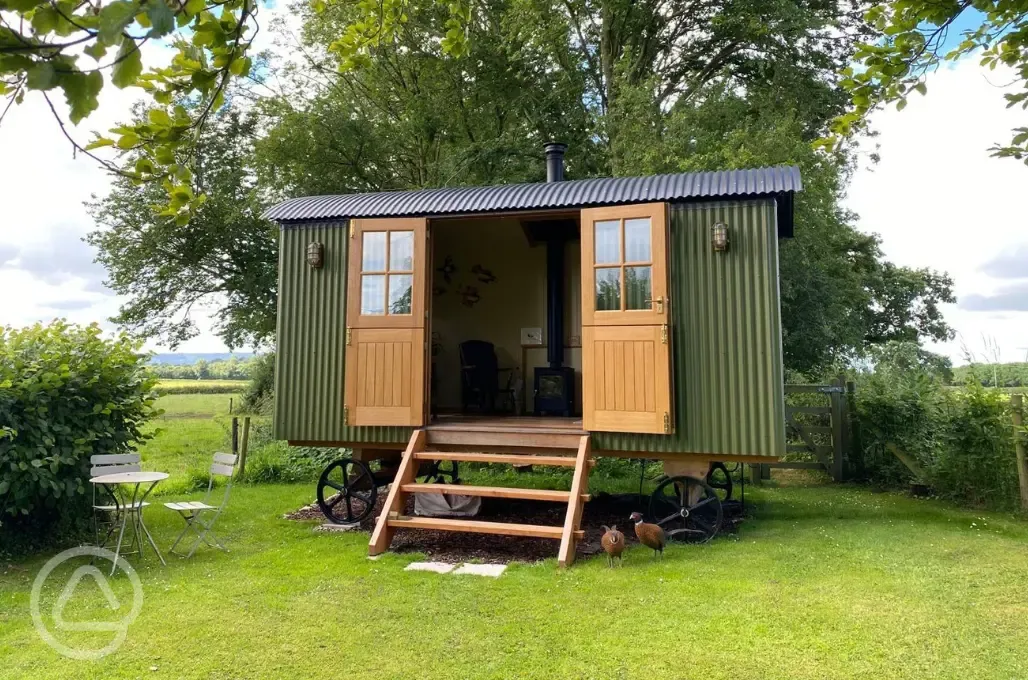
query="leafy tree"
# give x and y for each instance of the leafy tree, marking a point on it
(915, 43)
(225, 257)
(71, 46)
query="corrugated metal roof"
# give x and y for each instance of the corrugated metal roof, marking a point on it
(541, 195)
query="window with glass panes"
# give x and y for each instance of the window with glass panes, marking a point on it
(387, 272)
(623, 264)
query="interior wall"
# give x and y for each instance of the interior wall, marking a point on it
(489, 282)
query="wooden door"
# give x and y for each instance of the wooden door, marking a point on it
(385, 313)
(626, 340)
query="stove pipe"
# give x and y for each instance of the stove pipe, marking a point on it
(555, 161)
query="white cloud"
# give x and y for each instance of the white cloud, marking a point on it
(939, 200)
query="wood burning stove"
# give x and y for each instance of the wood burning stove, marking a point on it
(554, 391)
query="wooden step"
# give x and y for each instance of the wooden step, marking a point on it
(505, 458)
(478, 527)
(491, 492)
(519, 440)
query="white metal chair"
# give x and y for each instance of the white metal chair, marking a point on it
(201, 515)
(107, 511)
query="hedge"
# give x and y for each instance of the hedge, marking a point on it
(66, 393)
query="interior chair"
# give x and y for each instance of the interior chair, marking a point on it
(201, 515)
(480, 380)
(107, 508)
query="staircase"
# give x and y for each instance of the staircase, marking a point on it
(512, 445)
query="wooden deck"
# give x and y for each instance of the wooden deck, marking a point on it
(507, 424)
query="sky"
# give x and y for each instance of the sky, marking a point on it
(936, 198)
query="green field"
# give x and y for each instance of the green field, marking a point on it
(170, 386)
(821, 582)
(192, 428)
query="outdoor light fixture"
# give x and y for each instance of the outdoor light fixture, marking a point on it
(719, 237)
(315, 257)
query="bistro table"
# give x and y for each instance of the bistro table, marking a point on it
(118, 484)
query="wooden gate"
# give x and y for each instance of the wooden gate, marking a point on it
(817, 427)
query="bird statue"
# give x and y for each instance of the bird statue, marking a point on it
(613, 542)
(650, 535)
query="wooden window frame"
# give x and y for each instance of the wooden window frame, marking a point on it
(416, 319)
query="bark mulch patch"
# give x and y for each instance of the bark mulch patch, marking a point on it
(452, 546)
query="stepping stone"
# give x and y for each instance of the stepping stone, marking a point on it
(493, 570)
(328, 526)
(436, 567)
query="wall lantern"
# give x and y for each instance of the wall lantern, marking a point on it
(315, 254)
(719, 237)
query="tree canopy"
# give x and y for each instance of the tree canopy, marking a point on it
(633, 88)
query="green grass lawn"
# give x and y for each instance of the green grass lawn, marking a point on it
(821, 582)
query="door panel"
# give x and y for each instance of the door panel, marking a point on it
(385, 346)
(626, 351)
(385, 371)
(625, 373)
(624, 265)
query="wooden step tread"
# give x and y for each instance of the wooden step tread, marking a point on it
(491, 491)
(506, 458)
(479, 527)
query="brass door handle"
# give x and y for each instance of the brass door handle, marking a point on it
(660, 303)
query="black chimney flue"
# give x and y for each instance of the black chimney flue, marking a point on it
(555, 161)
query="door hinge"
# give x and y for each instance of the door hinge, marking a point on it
(349, 335)
(667, 423)
(346, 415)
(663, 334)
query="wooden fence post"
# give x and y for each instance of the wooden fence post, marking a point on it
(235, 436)
(854, 445)
(838, 449)
(1022, 471)
(244, 447)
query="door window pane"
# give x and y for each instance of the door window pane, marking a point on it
(373, 254)
(608, 289)
(400, 289)
(373, 294)
(608, 241)
(401, 251)
(637, 240)
(638, 288)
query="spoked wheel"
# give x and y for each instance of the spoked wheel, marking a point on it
(347, 491)
(439, 472)
(719, 478)
(687, 508)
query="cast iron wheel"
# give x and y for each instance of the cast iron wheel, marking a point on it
(687, 509)
(720, 479)
(347, 491)
(439, 472)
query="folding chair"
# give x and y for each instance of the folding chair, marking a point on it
(109, 512)
(201, 515)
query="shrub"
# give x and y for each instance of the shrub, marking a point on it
(66, 393)
(260, 391)
(962, 439)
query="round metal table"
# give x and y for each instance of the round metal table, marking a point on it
(127, 505)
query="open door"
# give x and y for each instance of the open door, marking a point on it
(385, 316)
(626, 350)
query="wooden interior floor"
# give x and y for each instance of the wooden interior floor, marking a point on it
(500, 423)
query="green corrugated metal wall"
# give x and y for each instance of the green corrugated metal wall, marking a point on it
(312, 339)
(726, 331)
(727, 334)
